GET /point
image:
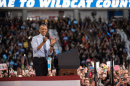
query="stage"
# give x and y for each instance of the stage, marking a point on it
(41, 81)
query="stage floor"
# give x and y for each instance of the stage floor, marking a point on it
(41, 81)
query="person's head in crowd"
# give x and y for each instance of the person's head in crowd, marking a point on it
(86, 82)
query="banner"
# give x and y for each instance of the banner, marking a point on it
(49, 63)
(97, 65)
(116, 67)
(66, 3)
(109, 63)
(3, 66)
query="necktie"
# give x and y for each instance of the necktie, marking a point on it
(45, 50)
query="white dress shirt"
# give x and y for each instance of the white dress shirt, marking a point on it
(36, 41)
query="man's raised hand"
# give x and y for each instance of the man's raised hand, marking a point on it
(44, 39)
(53, 41)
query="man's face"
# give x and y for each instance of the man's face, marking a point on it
(86, 82)
(43, 30)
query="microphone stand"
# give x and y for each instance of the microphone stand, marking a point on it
(112, 82)
(8, 68)
(95, 72)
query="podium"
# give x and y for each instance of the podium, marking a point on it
(63, 72)
(68, 62)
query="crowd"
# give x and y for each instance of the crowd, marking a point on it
(121, 76)
(94, 39)
(128, 31)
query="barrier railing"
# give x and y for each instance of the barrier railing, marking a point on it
(127, 42)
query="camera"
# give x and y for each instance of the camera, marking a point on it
(123, 79)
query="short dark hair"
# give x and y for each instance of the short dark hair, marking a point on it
(43, 25)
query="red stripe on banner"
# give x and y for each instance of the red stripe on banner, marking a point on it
(41, 78)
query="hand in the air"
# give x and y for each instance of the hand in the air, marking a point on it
(45, 39)
(53, 41)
